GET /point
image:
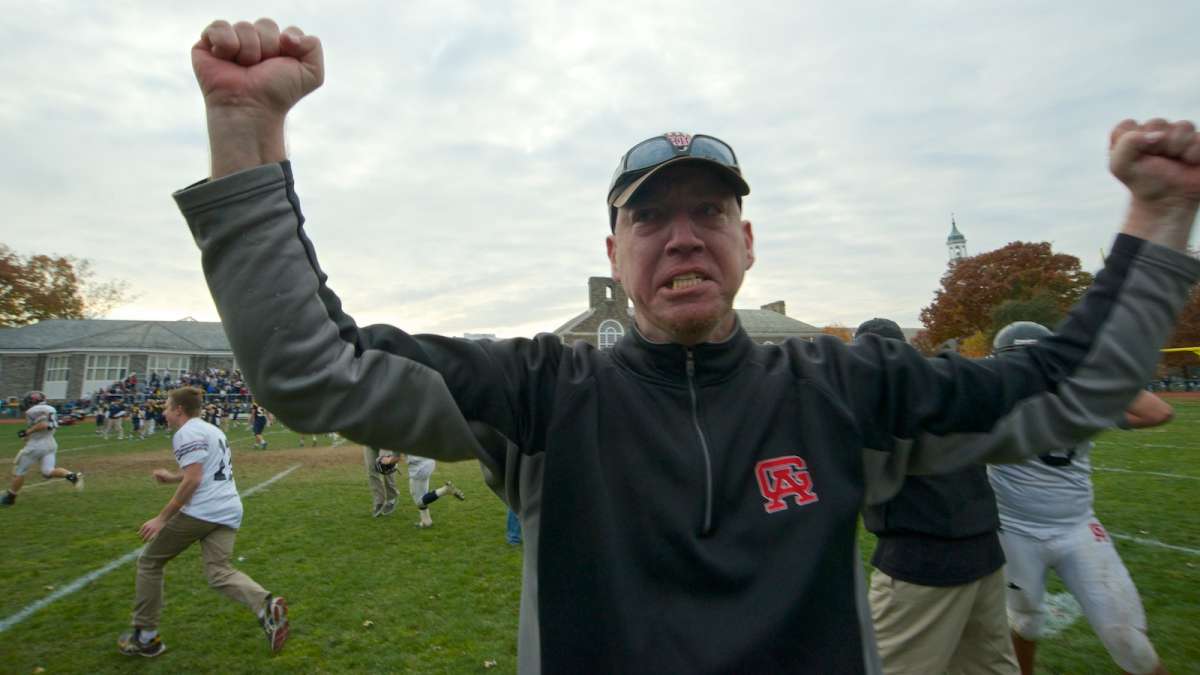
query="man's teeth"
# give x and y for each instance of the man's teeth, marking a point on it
(685, 281)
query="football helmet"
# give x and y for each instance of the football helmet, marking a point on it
(32, 398)
(1017, 335)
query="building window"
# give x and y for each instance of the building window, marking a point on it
(106, 368)
(610, 332)
(172, 367)
(57, 370)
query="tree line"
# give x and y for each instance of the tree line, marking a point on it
(38, 287)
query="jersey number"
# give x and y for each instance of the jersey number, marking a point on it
(225, 471)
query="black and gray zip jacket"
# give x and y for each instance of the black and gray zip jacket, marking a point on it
(686, 509)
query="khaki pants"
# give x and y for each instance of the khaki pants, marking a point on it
(383, 487)
(924, 630)
(216, 548)
(116, 424)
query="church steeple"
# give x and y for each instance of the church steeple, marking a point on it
(956, 242)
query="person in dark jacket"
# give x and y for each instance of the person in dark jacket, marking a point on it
(692, 497)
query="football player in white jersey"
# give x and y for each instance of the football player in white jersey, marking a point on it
(41, 420)
(419, 471)
(1047, 522)
(205, 508)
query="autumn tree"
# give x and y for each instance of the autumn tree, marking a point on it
(923, 344)
(1187, 334)
(983, 293)
(43, 287)
(839, 331)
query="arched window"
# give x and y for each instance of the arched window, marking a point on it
(610, 331)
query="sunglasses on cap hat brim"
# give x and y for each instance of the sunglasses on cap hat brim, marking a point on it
(645, 159)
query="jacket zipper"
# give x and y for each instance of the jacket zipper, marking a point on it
(708, 487)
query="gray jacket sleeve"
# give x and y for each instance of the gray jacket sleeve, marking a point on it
(293, 349)
(1094, 398)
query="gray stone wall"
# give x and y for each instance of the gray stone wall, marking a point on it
(77, 363)
(39, 372)
(18, 374)
(605, 290)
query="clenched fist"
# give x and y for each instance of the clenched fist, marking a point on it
(255, 66)
(251, 75)
(1157, 160)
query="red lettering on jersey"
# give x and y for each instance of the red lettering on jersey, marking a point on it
(1098, 531)
(784, 477)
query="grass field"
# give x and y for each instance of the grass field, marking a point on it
(442, 600)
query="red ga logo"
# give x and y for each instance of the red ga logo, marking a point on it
(679, 139)
(784, 477)
(1098, 531)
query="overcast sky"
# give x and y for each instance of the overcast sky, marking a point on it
(453, 168)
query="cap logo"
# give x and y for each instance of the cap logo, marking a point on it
(678, 139)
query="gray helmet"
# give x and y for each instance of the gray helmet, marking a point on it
(1017, 335)
(881, 327)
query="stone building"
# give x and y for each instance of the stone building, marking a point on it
(609, 315)
(71, 359)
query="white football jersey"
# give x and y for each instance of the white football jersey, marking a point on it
(42, 440)
(216, 500)
(1045, 496)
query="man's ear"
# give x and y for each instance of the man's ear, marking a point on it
(748, 234)
(610, 242)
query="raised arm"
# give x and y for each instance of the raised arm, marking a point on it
(251, 74)
(1159, 163)
(303, 357)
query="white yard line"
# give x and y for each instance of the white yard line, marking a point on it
(1146, 473)
(1152, 542)
(88, 578)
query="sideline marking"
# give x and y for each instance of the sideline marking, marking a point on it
(1146, 473)
(88, 578)
(1153, 542)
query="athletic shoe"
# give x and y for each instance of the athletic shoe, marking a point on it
(275, 622)
(8, 499)
(131, 644)
(378, 511)
(387, 508)
(458, 494)
(76, 479)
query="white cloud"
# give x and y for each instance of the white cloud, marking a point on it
(453, 167)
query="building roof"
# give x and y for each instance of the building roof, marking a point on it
(109, 334)
(767, 322)
(754, 321)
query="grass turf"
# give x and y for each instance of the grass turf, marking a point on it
(442, 600)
